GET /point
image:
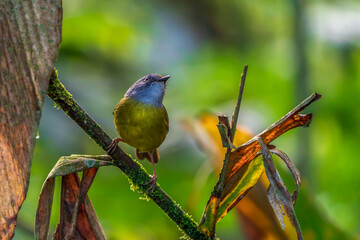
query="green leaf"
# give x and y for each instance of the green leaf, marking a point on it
(251, 175)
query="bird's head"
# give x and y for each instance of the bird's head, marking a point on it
(149, 89)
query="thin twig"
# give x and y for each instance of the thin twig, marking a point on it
(231, 131)
(235, 115)
(132, 169)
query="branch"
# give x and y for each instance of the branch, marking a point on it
(235, 115)
(131, 168)
(229, 136)
(291, 120)
(231, 133)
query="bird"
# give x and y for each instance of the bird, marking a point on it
(141, 120)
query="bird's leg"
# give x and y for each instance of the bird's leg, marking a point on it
(111, 148)
(154, 176)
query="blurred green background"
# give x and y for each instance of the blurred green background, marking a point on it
(292, 50)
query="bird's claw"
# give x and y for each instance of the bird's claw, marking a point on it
(111, 148)
(152, 183)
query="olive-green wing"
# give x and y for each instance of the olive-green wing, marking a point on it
(166, 117)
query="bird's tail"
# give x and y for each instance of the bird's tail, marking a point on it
(143, 155)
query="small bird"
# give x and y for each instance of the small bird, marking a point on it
(141, 119)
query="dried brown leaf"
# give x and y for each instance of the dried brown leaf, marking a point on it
(86, 181)
(256, 217)
(278, 194)
(237, 167)
(84, 228)
(71, 200)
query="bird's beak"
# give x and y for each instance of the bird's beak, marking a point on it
(164, 79)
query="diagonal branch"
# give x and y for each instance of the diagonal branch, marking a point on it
(132, 169)
(291, 120)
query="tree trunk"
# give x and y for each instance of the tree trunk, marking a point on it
(30, 32)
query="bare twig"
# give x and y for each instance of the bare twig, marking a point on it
(235, 115)
(229, 136)
(231, 131)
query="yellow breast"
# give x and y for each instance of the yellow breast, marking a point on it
(142, 126)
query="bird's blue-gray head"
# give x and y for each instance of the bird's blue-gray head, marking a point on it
(149, 89)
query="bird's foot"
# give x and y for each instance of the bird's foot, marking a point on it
(152, 183)
(111, 148)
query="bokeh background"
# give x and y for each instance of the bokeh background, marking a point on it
(293, 48)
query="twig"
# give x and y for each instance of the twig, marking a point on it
(235, 115)
(232, 131)
(223, 120)
(132, 169)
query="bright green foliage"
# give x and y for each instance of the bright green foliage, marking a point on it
(107, 45)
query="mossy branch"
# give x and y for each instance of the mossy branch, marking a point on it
(132, 169)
